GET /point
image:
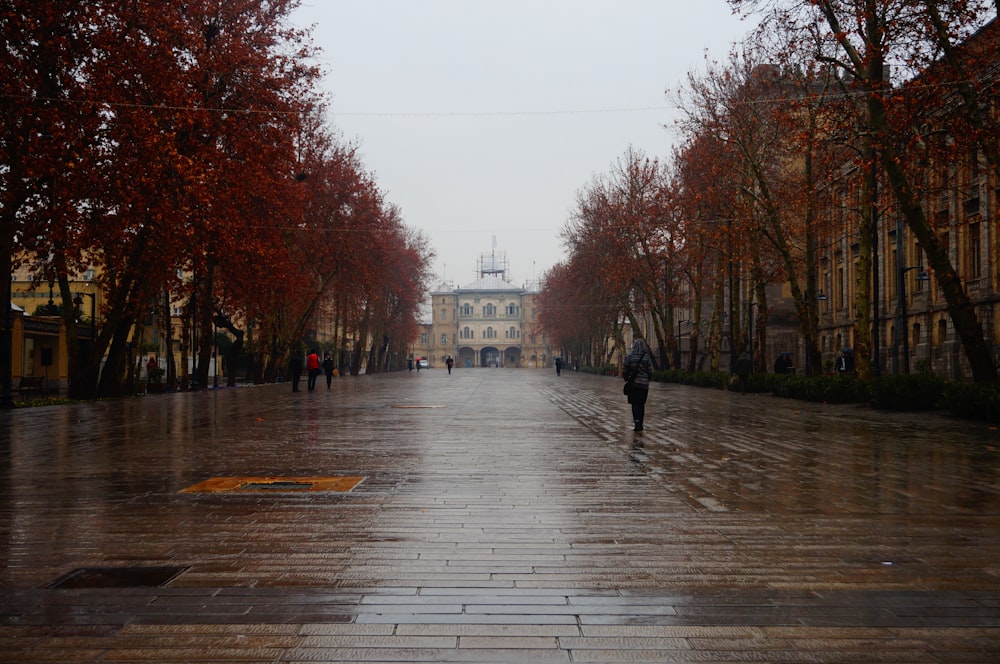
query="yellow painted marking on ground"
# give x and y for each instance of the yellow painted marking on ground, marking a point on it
(221, 484)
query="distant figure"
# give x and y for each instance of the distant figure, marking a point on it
(295, 370)
(328, 369)
(843, 363)
(312, 366)
(744, 365)
(638, 371)
(558, 366)
(783, 364)
(450, 362)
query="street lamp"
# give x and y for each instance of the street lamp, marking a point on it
(679, 323)
(78, 301)
(901, 332)
(750, 316)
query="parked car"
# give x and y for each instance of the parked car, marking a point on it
(422, 362)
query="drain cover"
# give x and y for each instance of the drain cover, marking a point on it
(118, 577)
(274, 484)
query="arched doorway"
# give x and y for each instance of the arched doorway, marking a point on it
(512, 357)
(490, 356)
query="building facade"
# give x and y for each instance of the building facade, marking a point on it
(490, 322)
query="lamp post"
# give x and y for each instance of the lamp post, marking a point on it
(78, 301)
(902, 334)
(750, 309)
(679, 323)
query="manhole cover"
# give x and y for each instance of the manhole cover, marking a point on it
(118, 577)
(274, 484)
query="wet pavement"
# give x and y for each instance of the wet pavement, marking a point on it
(495, 516)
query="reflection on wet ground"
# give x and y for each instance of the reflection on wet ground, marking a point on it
(501, 510)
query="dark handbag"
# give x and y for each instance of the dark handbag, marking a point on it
(627, 389)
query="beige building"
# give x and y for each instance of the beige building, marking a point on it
(490, 322)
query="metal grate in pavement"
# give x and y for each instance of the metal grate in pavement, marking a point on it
(118, 577)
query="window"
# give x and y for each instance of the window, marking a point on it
(423, 338)
(490, 310)
(444, 339)
(490, 333)
(511, 309)
(466, 333)
(512, 333)
(466, 309)
(942, 332)
(975, 242)
(839, 294)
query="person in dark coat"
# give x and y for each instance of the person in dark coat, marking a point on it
(295, 369)
(638, 371)
(744, 365)
(328, 369)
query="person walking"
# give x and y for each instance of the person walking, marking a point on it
(295, 369)
(744, 365)
(450, 362)
(558, 366)
(328, 369)
(638, 371)
(312, 366)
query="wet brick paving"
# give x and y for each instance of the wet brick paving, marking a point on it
(504, 516)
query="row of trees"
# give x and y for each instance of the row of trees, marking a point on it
(180, 149)
(826, 102)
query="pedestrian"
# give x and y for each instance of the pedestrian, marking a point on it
(328, 369)
(312, 367)
(638, 371)
(744, 365)
(450, 362)
(841, 365)
(558, 366)
(295, 369)
(783, 364)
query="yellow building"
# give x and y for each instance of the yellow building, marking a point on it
(490, 322)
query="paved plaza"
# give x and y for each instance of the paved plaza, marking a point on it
(495, 515)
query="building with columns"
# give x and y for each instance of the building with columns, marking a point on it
(490, 322)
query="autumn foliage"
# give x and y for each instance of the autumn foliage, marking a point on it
(834, 117)
(180, 150)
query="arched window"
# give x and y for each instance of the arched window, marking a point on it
(511, 309)
(512, 333)
(490, 334)
(466, 309)
(466, 333)
(942, 332)
(490, 310)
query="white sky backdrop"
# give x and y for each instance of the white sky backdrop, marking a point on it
(484, 119)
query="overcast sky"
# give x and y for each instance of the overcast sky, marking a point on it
(483, 119)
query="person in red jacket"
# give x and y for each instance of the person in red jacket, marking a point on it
(312, 366)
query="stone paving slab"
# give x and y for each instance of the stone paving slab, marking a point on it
(504, 516)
